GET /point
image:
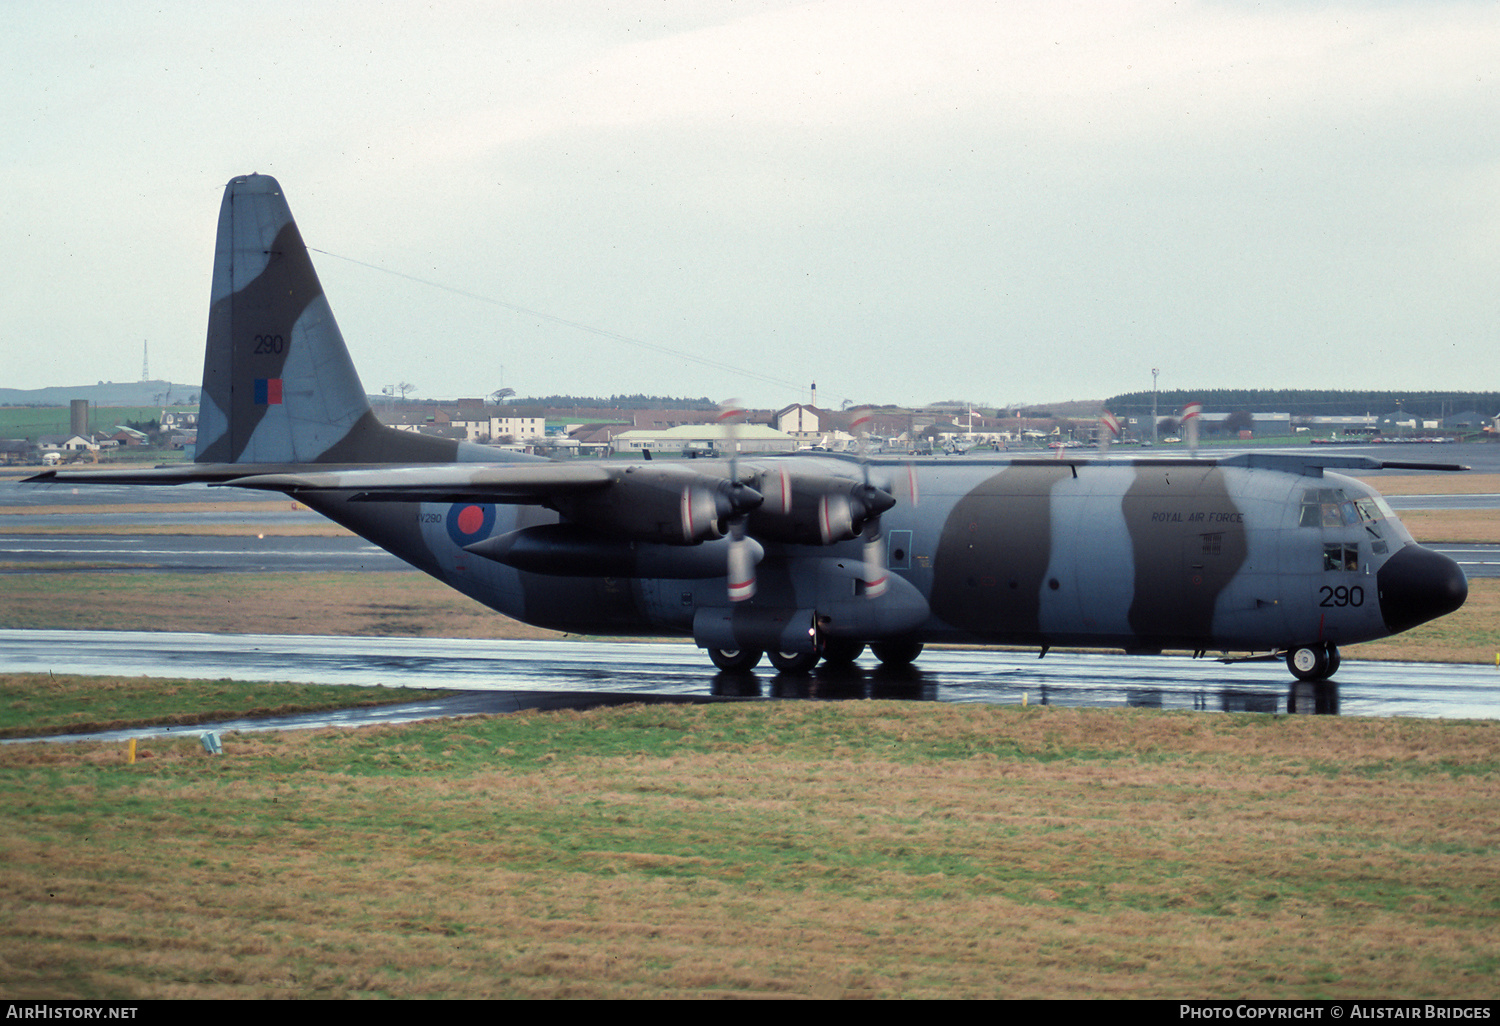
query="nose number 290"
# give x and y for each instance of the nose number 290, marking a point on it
(1342, 596)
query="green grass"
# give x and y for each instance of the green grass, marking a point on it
(41, 703)
(756, 849)
(34, 421)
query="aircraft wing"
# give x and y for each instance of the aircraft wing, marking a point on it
(1290, 462)
(447, 482)
(169, 474)
(443, 482)
(1294, 461)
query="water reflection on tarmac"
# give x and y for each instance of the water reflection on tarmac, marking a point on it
(505, 676)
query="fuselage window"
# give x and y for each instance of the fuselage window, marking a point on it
(1341, 557)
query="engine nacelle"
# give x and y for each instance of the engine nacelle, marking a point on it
(823, 510)
(664, 504)
(568, 550)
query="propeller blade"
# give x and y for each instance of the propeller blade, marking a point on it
(874, 556)
(741, 568)
(1109, 429)
(1191, 414)
(741, 563)
(876, 575)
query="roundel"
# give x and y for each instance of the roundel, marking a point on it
(469, 522)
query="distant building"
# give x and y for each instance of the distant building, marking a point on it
(753, 438)
(178, 420)
(67, 443)
(801, 421)
(16, 450)
(1469, 420)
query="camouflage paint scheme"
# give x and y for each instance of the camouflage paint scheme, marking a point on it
(1254, 554)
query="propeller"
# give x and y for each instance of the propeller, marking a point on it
(875, 573)
(1191, 414)
(741, 557)
(1109, 430)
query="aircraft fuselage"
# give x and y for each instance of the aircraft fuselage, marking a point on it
(1143, 556)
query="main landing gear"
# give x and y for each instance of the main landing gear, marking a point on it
(835, 651)
(1313, 662)
(735, 660)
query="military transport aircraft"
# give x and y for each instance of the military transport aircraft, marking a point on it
(804, 556)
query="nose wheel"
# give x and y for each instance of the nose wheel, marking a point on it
(1313, 662)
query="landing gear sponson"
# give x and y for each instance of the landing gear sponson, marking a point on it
(834, 651)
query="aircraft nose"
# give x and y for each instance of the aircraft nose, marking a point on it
(1417, 585)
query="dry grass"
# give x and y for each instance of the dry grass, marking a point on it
(770, 849)
(1469, 635)
(1433, 526)
(387, 603)
(1434, 484)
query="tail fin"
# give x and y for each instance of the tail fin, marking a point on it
(278, 384)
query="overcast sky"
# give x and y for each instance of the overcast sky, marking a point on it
(904, 202)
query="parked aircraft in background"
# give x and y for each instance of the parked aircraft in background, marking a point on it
(803, 556)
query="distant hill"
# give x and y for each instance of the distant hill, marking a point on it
(105, 393)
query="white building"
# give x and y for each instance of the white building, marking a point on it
(753, 438)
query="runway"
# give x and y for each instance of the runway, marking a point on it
(124, 553)
(503, 676)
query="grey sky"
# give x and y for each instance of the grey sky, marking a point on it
(1000, 202)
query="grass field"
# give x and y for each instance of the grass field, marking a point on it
(36, 704)
(33, 421)
(762, 849)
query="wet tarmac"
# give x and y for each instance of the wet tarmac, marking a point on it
(504, 676)
(63, 553)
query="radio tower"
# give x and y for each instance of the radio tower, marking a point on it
(145, 361)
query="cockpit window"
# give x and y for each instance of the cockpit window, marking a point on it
(1327, 507)
(1330, 507)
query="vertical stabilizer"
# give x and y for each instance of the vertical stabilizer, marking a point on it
(278, 385)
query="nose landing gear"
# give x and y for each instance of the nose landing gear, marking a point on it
(1313, 662)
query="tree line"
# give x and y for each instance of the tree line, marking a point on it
(1307, 402)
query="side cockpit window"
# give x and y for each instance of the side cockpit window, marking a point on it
(1345, 521)
(1344, 558)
